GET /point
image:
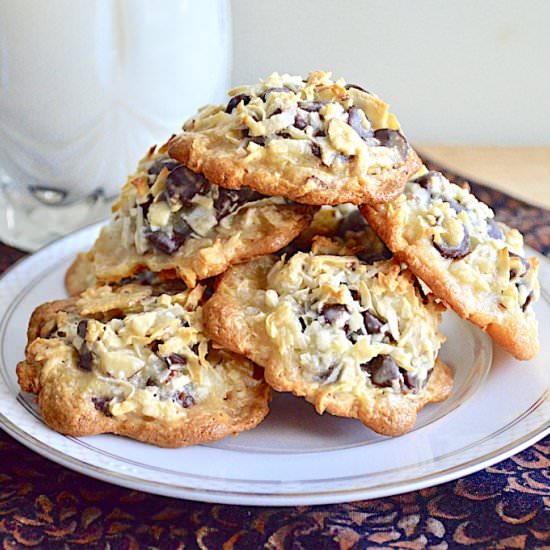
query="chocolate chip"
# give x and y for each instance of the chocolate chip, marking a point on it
(412, 382)
(258, 140)
(324, 375)
(235, 100)
(420, 291)
(82, 328)
(176, 359)
(150, 382)
(349, 86)
(456, 206)
(184, 399)
(456, 252)
(144, 277)
(334, 312)
(146, 205)
(425, 180)
(528, 300)
(393, 139)
(525, 263)
(102, 404)
(353, 222)
(51, 330)
(300, 121)
(382, 371)
(356, 122)
(311, 106)
(493, 230)
(263, 96)
(182, 185)
(247, 138)
(373, 323)
(370, 256)
(228, 200)
(316, 150)
(85, 358)
(164, 242)
(156, 168)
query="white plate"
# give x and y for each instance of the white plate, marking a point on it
(295, 456)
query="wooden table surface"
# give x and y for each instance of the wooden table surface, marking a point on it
(523, 172)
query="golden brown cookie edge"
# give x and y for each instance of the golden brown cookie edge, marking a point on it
(234, 173)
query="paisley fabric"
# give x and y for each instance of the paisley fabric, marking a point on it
(43, 505)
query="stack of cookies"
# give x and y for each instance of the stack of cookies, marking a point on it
(290, 240)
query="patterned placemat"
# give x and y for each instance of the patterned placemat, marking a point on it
(43, 505)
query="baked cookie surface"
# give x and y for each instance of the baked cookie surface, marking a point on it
(134, 362)
(314, 141)
(170, 219)
(80, 275)
(477, 265)
(355, 340)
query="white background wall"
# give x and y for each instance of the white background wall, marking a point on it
(468, 71)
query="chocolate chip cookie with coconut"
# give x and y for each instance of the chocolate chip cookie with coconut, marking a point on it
(314, 141)
(355, 340)
(135, 362)
(477, 265)
(170, 219)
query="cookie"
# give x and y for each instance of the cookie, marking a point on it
(476, 265)
(169, 219)
(81, 274)
(135, 362)
(355, 340)
(314, 141)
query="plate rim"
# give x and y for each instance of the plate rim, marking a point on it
(275, 499)
(236, 496)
